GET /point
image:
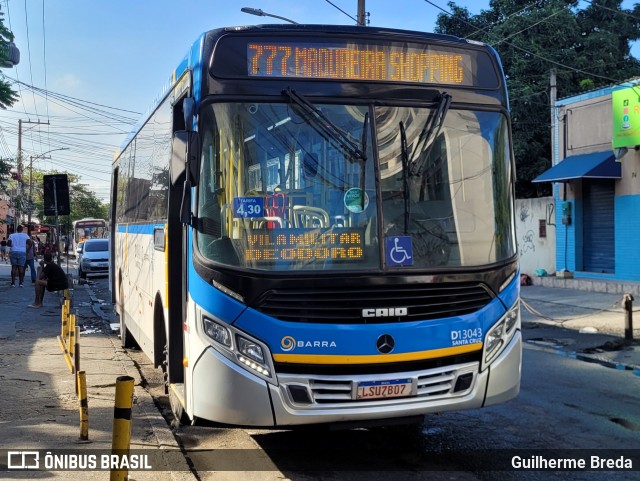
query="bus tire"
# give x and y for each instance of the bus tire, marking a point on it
(177, 409)
(126, 339)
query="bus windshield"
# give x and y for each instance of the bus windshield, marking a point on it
(278, 192)
(89, 229)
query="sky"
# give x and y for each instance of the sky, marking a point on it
(97, 66)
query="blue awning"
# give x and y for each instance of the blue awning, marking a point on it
(598, 165)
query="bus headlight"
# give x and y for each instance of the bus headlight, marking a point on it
(239, 348)
(500, 334)
(217, 332)
(250, 349)
(494, 341)
(252, 356)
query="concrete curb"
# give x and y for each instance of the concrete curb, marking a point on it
(143, 399)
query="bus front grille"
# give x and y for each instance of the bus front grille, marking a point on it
(451, 381)
(384, 303)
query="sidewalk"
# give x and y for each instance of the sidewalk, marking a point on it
(39, 409)
(581, 324)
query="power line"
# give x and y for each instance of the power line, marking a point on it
(26, 21)
(612, 10)
(563, 65)
(335, 6)
(15, 66)
(478, 29)
(44, 61)
(530, 26)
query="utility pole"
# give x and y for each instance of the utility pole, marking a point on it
(20, 166)
(552, 100)
(361, 13)
(30, 206)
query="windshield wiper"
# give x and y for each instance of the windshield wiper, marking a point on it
(404, 155)
(323, 125)
(429, 134)
(363, 148)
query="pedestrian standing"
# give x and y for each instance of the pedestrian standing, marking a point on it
(3, 248)
(18, 242)
(32, 255)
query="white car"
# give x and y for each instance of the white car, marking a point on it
(94, 258)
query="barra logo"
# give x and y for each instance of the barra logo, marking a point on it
(288, 343)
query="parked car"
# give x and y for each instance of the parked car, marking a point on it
(94, 258)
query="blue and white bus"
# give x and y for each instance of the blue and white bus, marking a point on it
(315, 224)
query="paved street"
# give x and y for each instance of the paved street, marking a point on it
(39, 408)
(584, 405)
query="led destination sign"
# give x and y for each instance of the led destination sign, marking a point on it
(303, 245)
(360, 61)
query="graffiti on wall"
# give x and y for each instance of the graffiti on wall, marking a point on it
(527, 243)
(536, 242)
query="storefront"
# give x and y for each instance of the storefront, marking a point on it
(596, 183)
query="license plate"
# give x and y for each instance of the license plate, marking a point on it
(384, 389)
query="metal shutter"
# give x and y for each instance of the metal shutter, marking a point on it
(598, 221)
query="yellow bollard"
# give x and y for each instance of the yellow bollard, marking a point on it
(84, 405)
(76, 356)
(72, 334)
(63, 338)
(64, 344)
(65, 320)
(69, 343)
(122, 423)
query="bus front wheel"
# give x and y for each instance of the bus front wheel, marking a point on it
(177, 404)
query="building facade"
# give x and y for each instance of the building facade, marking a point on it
(596, 183)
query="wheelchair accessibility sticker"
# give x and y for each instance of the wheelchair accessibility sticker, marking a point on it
(399, 251)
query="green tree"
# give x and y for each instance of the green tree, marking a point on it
(588, 47)
(7, 95)
(5, 174)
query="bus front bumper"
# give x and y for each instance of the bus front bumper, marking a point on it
(224, 392)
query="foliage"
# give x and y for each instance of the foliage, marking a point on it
(5, 174)
(588, 47)
(7, 96)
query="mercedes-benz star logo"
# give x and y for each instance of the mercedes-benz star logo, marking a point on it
(385, 344)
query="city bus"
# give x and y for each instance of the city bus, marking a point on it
(87, 228)
(315, 225)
